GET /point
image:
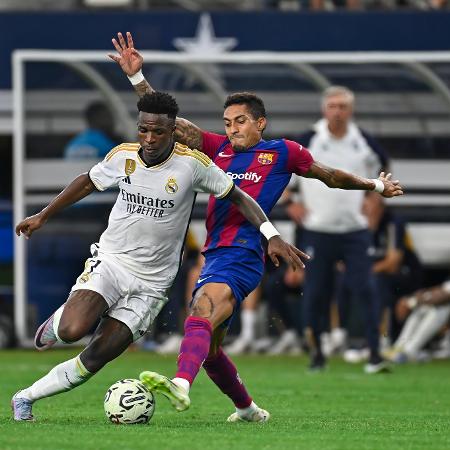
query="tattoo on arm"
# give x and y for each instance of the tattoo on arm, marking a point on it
(188, 134)
(143, 88)
(336, 178)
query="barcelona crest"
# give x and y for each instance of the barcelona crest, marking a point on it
(265, 158)
(130, 167)
(171, 185)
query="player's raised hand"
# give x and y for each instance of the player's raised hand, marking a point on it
(292, 255)
(128, 58)
(29, 225)
(392, 188)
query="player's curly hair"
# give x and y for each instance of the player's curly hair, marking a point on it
(158, 103)
(253, 102)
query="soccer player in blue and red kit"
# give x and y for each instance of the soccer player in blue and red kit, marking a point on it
(233, 253)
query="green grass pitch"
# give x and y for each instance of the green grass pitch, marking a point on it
(341, 408)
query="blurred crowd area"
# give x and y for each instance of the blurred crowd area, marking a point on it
(223, 5)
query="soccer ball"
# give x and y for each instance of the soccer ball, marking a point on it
(129, 401)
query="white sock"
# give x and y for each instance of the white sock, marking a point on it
(56, 320)
(63, 377)
(182, 382)
(243, 412)
(248, 320)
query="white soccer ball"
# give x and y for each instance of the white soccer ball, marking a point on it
(129, 401)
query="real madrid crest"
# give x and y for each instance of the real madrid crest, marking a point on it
(265, 158)
(130, 166)
(171, 185)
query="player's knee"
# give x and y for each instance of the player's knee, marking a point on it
(71, 332)
(202, 306)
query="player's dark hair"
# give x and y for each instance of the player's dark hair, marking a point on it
(253, 102)
(158, 103)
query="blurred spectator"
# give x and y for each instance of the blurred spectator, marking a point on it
(99, 137)
(279, 286)
(330, 5)
(429, 311)
(397, 269)
(335, 227)
(248, 316)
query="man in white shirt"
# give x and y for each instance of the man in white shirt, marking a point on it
(125, 283)
(335, 226)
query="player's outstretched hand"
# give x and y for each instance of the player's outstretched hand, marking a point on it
(29, 225)
(292, 255)
(392, 188)
(129, 59)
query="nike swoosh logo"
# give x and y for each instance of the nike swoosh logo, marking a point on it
(223, 155)
(200, 280)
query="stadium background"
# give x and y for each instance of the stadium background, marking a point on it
(393, 102)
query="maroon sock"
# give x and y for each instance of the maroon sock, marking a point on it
(223, 372)
(194, 348)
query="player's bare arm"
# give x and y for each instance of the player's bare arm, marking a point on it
(336, 178)
(75, 191)
(131, 61)
(277, 247)
(188, 134)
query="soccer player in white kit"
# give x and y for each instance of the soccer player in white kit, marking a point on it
(125, 283)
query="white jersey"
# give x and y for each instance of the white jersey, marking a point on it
(338, 210)
(148, 223)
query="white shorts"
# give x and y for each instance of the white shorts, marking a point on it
(131, 300)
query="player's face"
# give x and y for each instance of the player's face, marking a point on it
(338, 110)
(242, 129)
(155, 133)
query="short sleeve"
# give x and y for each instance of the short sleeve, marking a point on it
(299, 158)
(211, 143)
(106, 173)
(212, 180)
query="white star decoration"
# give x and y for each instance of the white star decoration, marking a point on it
(205, 41)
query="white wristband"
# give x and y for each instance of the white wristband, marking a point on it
(268, 230)
(379, 185)
(136, 78)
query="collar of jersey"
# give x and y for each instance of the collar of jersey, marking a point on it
(156, 165)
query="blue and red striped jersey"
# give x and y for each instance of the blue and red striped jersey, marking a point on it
(262, 171)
